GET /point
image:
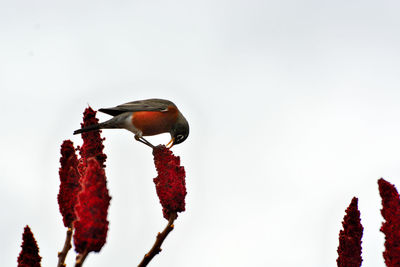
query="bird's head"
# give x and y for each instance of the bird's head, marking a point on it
(180, 131)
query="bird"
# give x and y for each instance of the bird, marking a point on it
(145, 118)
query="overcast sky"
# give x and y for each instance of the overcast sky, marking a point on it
(293, 108)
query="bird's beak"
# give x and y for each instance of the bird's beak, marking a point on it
(171, 142)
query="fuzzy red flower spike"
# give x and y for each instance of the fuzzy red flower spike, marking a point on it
(67, 196)
(170, 182)
(69, 186)
(91, 225)
(29, 256)
(92, 141)
(391, 227)
(349, 249)
(171, 190)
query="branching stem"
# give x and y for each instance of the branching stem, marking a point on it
(159, 240)
(67, 246)
(81, 258)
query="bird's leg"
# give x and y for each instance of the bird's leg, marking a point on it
(144, 141)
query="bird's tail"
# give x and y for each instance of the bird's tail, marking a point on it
(93, 127)
(115, 122)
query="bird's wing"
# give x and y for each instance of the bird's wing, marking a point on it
(140, 105)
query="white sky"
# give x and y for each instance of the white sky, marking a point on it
(293, 107)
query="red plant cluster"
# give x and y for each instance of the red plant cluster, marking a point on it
(69, 186)
(170, 182)
(83, 197)
(92, 142)
(349, 249)
(29, 256)
(91, 225)
(391, 228)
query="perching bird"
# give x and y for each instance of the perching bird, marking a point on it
(145, 118)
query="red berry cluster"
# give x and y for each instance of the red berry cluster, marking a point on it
(29, 256)
(349, 249)
(170, 182)
(83, 197)
(92, 141)
(91, 225)
(391, 228)
(69, 186)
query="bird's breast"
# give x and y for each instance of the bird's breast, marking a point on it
(155, 122)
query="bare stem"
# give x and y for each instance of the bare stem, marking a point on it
(159, 240)
(81, 258)
(67, 246)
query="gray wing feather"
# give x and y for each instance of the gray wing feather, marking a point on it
(140, 105)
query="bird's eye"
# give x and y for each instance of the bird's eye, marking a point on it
(179, 137)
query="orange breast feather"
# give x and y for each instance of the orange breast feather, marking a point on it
(155, 122)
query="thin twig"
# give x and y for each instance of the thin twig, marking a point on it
(81, 258)
(159, 240)
(67, 246)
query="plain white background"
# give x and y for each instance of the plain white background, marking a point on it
(293, 108)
